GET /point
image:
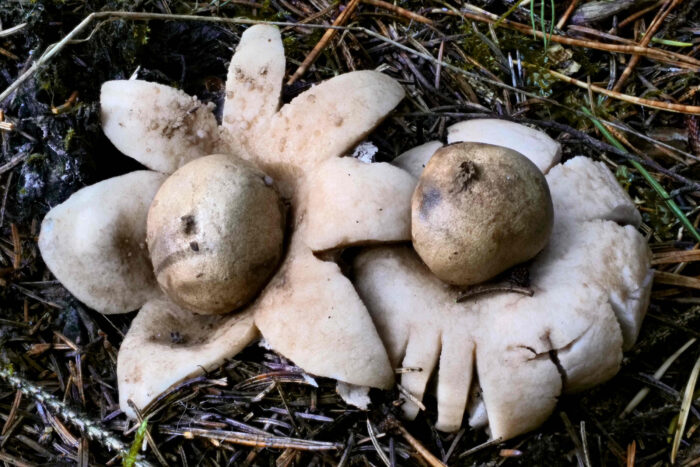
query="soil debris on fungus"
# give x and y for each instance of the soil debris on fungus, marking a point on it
(457, 63)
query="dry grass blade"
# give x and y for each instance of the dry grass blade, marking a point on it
(14, 29)
(654, 104)
(475, 449)
(584, 444)
(639, 397)
(409, 396)
(12, 414)
(258, 441)
(399, 11)
(415, 444)
(580, 457)
(685, 410)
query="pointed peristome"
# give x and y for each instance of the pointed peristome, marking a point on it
(534, 144)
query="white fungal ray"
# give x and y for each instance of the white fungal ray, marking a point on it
(348, 202)
(323, 122)
(161, 127)
(311, 313)
(413, 161)
(596, 193)
(167, 344)
(254, 83)
(95, 242)
(534, 144)
(590, 284)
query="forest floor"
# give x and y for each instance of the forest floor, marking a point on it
(58, 390)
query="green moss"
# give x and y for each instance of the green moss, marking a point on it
(624, 177)
(36, 158)
(141, 33)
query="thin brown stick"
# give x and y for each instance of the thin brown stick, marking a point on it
(13, 413)
(565, 17)
(16, 247)
(654, 104)
(665, 56)
(13, 162)
(639, 14)
(574, 28)
(325, 39)
(670, 278)
(399, 11)
(651, 30)
(631, 453)
(415, 444)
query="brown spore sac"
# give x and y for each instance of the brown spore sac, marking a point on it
(479, 209)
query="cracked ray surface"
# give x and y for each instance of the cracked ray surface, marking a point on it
(309, 311)
(591, 288)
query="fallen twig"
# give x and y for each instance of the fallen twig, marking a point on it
(325, 39)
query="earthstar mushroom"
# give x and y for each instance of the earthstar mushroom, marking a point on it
(591, 288)
(308, 307)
